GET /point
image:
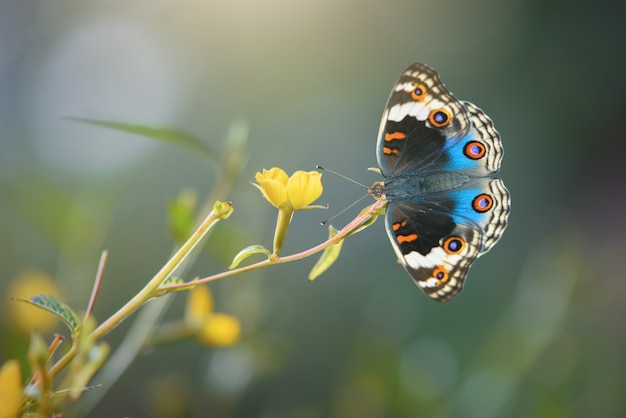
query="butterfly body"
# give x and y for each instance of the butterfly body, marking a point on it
(437, 155)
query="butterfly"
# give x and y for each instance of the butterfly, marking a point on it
(437, 155)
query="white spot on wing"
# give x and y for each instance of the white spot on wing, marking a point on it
(415, 260)
(437, 256)
(415, 109)
(431, 282)
(408, 87)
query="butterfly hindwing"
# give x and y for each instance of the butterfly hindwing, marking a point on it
(436, 154)
(438, 237)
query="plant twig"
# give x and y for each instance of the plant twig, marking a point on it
(97, 282)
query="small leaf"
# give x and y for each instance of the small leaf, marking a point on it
(24, 196)
(37, 353)
(369, 221)
(364, 225)
(226, 239)
(164, 134)
(90, 364)
(56, 307)
(181, 212)
(172, 280)
(247, 252)
(329, 256)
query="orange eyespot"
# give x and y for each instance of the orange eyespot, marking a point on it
(439, 118)
(482, 203)
(419, 92)
(454, 245)
(441, 274)
(474, 150)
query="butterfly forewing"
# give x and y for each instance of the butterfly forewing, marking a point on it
(420, 119)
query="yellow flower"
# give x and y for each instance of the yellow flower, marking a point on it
(288, 194)
(295, 192)
(199, 305)
(24, 317)
(10, 389)
(211, 328)
(220, 330)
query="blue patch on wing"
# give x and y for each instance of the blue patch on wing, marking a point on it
(458, 161)
(463, 198)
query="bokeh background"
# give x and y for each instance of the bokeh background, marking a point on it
(539, 329)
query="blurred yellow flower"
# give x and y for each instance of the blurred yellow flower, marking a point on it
(220, 330)
(10, 389)
(199, 304)
(211, 328)
(24, 317)
(291, 193)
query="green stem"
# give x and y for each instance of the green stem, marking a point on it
(149, 290)
(63, 361)
(173, 331)
(282, 225)
(345, 231)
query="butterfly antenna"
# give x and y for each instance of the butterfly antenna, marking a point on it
(319, 167)
(344, 210)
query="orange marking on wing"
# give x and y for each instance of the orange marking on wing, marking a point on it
(441, 274)
(419, 92)
(394, 135)
(406, 238)
(399, 225)
(389, 151)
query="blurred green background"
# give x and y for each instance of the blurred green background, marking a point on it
(538, 330)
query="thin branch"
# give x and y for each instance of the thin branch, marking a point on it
(96, 285)
(345, 231)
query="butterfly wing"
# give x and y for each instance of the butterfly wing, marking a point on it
(421, 119)
(440, 236)
(479, 151)
(436, 154)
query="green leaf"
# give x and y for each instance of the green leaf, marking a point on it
(369, 221)
(89, 364)
(37, 352)
(161, 133)
(181, 212)
(171, 280)
(25, 194)
(329, 256)
(56, 307)
(226, 239)
(247, 252)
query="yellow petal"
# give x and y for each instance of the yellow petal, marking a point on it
(24, 317)
(273, 191)
(220, 330)
(272, 184)
(303, 188)
(10, 389)
(199, 304)
(274, 173)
